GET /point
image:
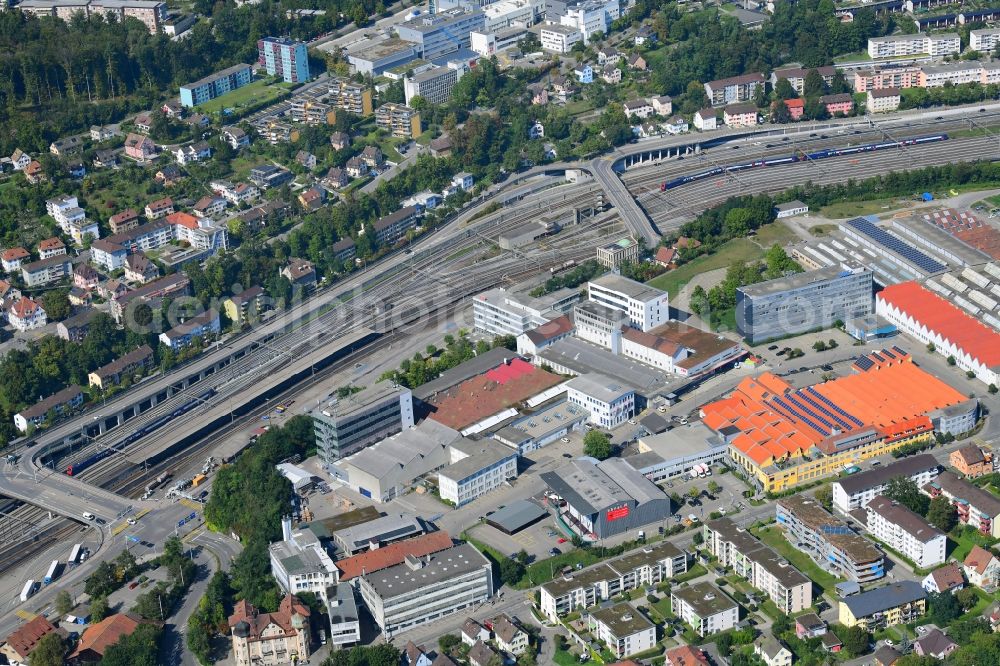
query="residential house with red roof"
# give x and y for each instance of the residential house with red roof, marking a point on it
(971, 461)
(11, 258)
(982, 568)
(51, 247)
(944, 579)
(665, 256)
(392, 554)
(140, 148)
(97, 638)
(124, 221)
(20, 644)
(26, 314)
(269, 639)
(796, 108)
(159, 208)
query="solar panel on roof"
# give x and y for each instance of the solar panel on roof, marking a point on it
(875, 355)
(905, 250)
(825, 410)
(834, 407)
(898, 350)
(864, 363)
(794, 399)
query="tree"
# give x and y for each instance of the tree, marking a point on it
(448, 642)
(904, 490)
(136, 649)
(49, 651)
(941, 513)
(824, 495)
(783, 89)
(916, 660)
(951, 360)
(714, 487)
(814, 85)
(56, 305)
(698, 538)
(724, 643)
(375, 655)
(967, 598)
(780, 113)
(597, 445)
(511, 571)
(855, 640)
(64, 603)
(98, 609)
(942, 608)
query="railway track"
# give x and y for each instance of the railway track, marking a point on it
(119, 475)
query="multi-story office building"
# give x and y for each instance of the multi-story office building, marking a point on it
(559, 38)
(984, 40)
(591, 16)
(767, 571)
(650, 565)
(897, 603)
(600, 325)
(734, 89)
(623, 629)
(477, 467)
(285, 58)
(894, 46)
(905, 532)
(705, 608)
(299, 563)
(398, 120)
(344, 425)
(855, 491)
(828, 540)
(422, 590)
(975, 506)
(434, 85)
(500, 312)
(511, 13)
(614, 254)
(802, 302)
(215, 85)
(645, 306)
(443, 33)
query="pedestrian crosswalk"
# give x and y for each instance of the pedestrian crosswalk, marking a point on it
(25, 615)
(191, 504)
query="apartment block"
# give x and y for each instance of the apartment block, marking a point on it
(828, 540)
(896, 603)
(111, 374)
(905, 532)
(895, 46)
(889, 77)
(705, 608)
(734, 89)
(58, 403)
(285, 58)
(975, 506)
(398, 120)
(425, 589)
(351, 97)
(855, 491)
(650, 565)
(151, 13)
(971, 461)
(345, 425)
(761, 566)
(44, 271)
(984, 40)
(796, 76)
(883, 100)
(198, 327)
(802, 302)
(623, 629)
(215, 85)
(645, 306)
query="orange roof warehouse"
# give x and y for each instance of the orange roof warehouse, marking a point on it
(932, 319)
(784, 437)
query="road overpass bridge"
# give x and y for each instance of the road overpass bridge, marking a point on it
(61, 494)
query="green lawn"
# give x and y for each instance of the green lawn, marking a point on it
(564, 658)
(853, 57)
(844, 209)
(773, 537)
(963, 541)
(545, 570)
(776, 233)
(738, 249)
(257, 92)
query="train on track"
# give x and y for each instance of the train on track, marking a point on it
(78, 467)
(801, 156)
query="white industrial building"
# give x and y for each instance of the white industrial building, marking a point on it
(645, 306)
(591, 16)
(855, 491)
(675, 452)
(476, 468)
(385, 470)
(559, 38)
(906, 532)
(535, 430)
(609, 402)
(342, 609)
(425, 589)
(502, 312)
(300, 563)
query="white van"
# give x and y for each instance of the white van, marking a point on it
(88, 516)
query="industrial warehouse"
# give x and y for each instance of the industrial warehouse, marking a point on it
(786, 437)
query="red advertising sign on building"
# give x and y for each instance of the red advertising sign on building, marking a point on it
(616, 514)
